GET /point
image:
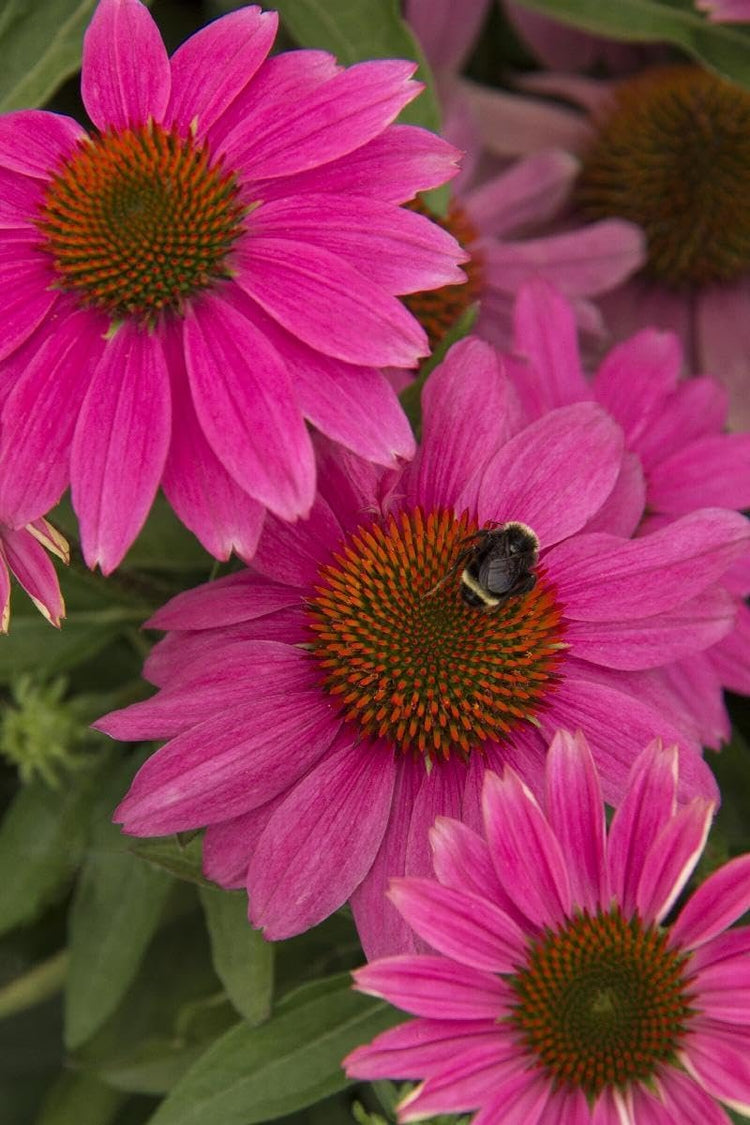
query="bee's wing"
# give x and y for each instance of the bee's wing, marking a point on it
(498, 573)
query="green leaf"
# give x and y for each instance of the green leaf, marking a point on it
(41, 47)
(293, 1060)
(33, 645)
(243, 959)
(42, 840)
(721, 47)
(79, 1099)
(117, 907)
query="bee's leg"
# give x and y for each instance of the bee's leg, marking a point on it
(458, 564)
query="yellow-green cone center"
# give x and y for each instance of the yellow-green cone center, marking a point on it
(602, 1002)
(409, 661)
(438, 310)
(138, 221)
(673, 155)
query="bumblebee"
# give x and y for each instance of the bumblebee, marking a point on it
(497, 565)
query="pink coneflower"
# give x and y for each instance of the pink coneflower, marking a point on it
(22, 554)
(728, 11)
(324, 706)
(556, 995)
(668, 150)
(678, 457)
(220, 261)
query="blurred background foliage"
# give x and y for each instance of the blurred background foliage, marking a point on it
(131, 990)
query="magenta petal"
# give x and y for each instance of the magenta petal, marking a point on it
(326, 302)
(35, 142)
(526, 854)
(466, 1081)
(464, 927)
(446, 32)
(4, 594)
(688, 1101)
(622, 511)
(40, 415)
(321, 841)
(229, 846)
(335, 118)
(246, 408)
(581, 263)
(723, 342)
(125, 78)
(456, 437)
(405, 252)
(28, 299)
(419, 1047)
(226, 601)
(530, 191)
(34, 571)
(576, 815)
(716, 904)
(382, 930)
(545, 334)
(672, 859)
(519, 1100)
(214, 65)
(635, 379)
(462, 860)
(207, 500)
(714, 470)
(697, 408)
(434, 987)
(532, 479)
(223, 767)
(120, 445)
(294, 553)
(601, 578)
(723, 990)
(20, 200)
(721, 1066)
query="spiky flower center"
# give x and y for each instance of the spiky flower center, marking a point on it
(673, 155)
(602, 1001)
(139, 220)
(438, 310)
(408, 660)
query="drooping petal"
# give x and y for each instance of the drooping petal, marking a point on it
(462, 860)
(723, 333)
(722, 989)
(672, 859)
(635, 379)
(445, 31)
(530, 191)
(545, 334)
(246, 408)
(294, 553)
(622, 511)
(321, 841)
(29, 297)
(711, 471)
(31, 566)
(418, 1047)
(519, 1100)
(688, 1101)
(120, 445)
(227, 601)
(722, 1067)
(125, 78)
(466, 1082)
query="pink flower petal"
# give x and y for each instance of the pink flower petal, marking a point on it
(247, 410)
(393, 166)
(434, 987)
(456, 437)
(581, 263)
(601, 578)
(446, 32)
(462, 860)
(721, 1067)
(622, 511)
(229, 846)
(40, 414)
(464, 927)
(514, 125)
(294, 553)
(530, 191)
(576, 815)
(125, 78)
(722, 989)
(519, 1100)
(319, 297)
(671, 860)
(321, 841)
(335, 118)
(35, 142)
(214, 65)
(466, 1082)
(714, 470)
(382, 931)
(419, 1047)
(35, 573)
(635, 379)
(406, 252)
(182, 786)
(545, 334)
(207, 500)
(20, 200)
(28, 299)
(516, 830)
(688, 1101)
(716, 904)
(723, 331)
(120, 445)
(531, 477)
(697, 408)
(440, 794)
(226, 601)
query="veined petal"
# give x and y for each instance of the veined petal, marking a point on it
(715, 905)
(432, 986)
(34, 571)
(246, 408)
(125, 78)
(672, 859)
(635, 379)
(120, 445)
(575, 811)
(321, 841)
(530, 191)
(418, 1047)
(35, 141)
(545, 334)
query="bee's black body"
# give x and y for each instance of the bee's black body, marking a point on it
(499, 565)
